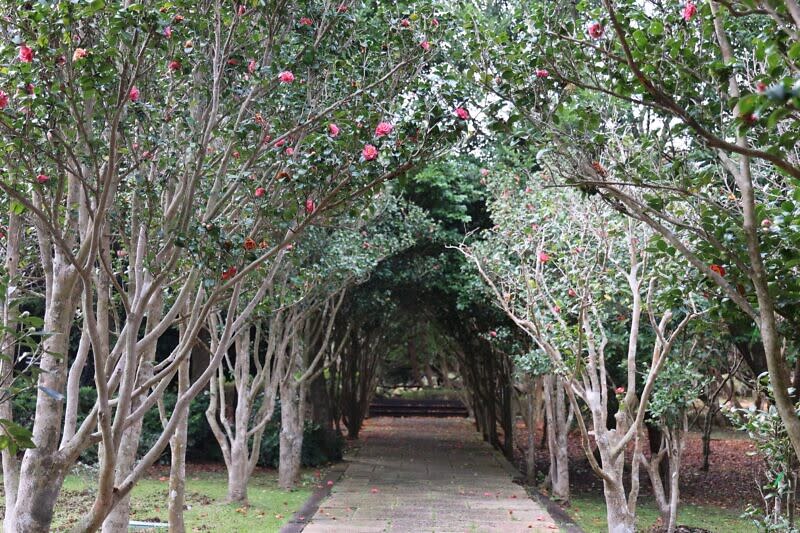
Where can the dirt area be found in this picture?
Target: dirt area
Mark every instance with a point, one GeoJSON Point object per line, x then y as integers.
{"type": "Point", "coordinates": [732, 480]}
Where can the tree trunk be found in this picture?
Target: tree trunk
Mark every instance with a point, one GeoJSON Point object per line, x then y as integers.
{"type": "Point", "coordinates": [291, 438]}
{"type": "Point", "coordinates": [118, 518]}
{"type": "Point", "coordinates": [238, 472]}
{"type": "Point", "coordinates": [10, 313]}
{"type": "Point", "coordinates": [177, 445]}
{"type": "Point", "coordinates": [557, 433]}
{"type": "Point", "coordinates": [618, 518]}
{"type": "Point", "coordinates": [42, 471]}
{"type": "Point", "coordinates": [321, 414]}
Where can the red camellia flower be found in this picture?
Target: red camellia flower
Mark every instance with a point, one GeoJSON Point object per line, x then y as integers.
{"type": "Point", "coordinates": [241, 10]}
{"type": "Point", "coordinates": [29, 88]}
{"type": "Point", "coordinates": [425, 45]}
{"type": "Point", "coordinates": [260, 191]}
{"type": "Point", "coordinates": [42, 178]}
{"type": "Point", "coordinates": [719, 269]}
{"type": "Point", "coordinates": [305, 21]}
{"type": "Point", "coordinates": [174, 65]}
{"type": "Point", "coordinates": [435, 22]}
{"type": "Point", "coordinates": [689, 11]}
{"type": "Point", "coordinates": [462, 113]}
{"type": "Point", "coordinates": [178, 18]}
{"type": "Point", "coordinates": [761, 87]}
{"type": "Point", "coordinates": [333, 129]}
{"type": "Point", "coordinates": [133, 96]}
{"type": "Point", "coordinates": [310, 206]}
{"type": "Point", "coordinates": [369, 152]}
{"type": "Point", "coordinates": [286, 77]}
{"type": "Point", "coordinates": [543, 257]}
{"type": "Point", "coordinates": [542, 73]}
{"type": "Point", "coordinates": [342, 8]}
{"type": "Point", "coordinates": [3, 100]}
{"type": "Point", "coordinates": [229, 273]}
{"type": "Point", "coordinates": [25, 54]}
{"type": "Point", "coordinates": [572, 293]}
{"type": "Point", "coordinates": [595, 30]}
{"type": "Point", "coordinates": [249, 244]}
{"type": "Point", "coordinates": [383, 128]}
{"type": "Point", "coordinates": [405, 23]}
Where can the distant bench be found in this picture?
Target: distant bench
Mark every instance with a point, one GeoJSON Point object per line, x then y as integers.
{"type": "Point", "coordinates": [430, 408]}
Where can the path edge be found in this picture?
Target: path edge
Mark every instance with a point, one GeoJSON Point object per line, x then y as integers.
{"type": "Point", "coordinates": [564, 521]}
{"type": "Point", "coordinates": [303, 516]}
{"type": "Point", "coordinates": [306, 513]}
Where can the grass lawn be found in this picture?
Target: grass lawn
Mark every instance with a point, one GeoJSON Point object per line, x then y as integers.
{"type": "Point", "coordinates": [269, 507]}
{"type": "Point", "coordinates": [589, 512]}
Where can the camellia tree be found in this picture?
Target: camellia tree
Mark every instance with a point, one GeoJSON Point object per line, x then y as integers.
{"type": "Point", "coordinates": [680, 114]}
{"type": "Point", "coordinates": [148, 144]}
{"type": "Point", "coordinates": [292, 340]}
{"type": "Point", "coordinates": [576, 277]}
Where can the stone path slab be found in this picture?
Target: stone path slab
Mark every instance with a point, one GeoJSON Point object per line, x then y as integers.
{"type": "Point", "coordinates": [415, 475]}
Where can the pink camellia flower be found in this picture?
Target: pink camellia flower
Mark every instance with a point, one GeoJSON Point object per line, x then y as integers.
{"type": "Point", "coordinates": [79, 53]}
{"type": "Point", "coordinates": [542, 73]}
{"type": "Point", "coordinates": [620, 390]}
{"type": "Point", "coordinates": [383, 128]}
{"type": "Point", "coordinates": [133, 96]}
{"type": "Point", "coordinates": [305, 21]}
{"type": "Point", "coordinates": [342, 8]}
{"type": "Point", "coordinates": [122, 253]}
{"type": "Point", "coordinates": [330, 483]}
{"type": "Point", "coordinates": [484, 172]}
{"type": "Point", "coordinates": [25, 54]}
{"type": "Point", "coordinates": [425, 45]}
{"type": "Point", "coordinates": [595, 30]}
{"type": "Point", "coordinates": [369, 152]}
{"type": "Point", "coordinates": [435, 22]}
{"type": "Point", "coordinates": [405, 23]}
{"type": "Point", "coordinates": [260, 191]}
{"type": "Point", "coordinates": [42, 178]}
{"type": "Point", "coordinates": [689, 11]}
{"type": "Point", "coordinates": [3, 100]}
{"type": "Point", "coordinates": [310, 206]}
{"type": "Point", "coordinates": [493, 333]}
{"type": "Point", "coordinates": [280, 143]}
{"type": "Point", "coordinates": [290, 151]}
{"type": "Point", "coordinates": [168, 32]}
{"type": "Point", "coordinates": [242, 10]}
{"type": "Point", "coordinates": [543, 257]}
{"type": "Point", "coordinates": [174, 65]}
{"type": "Point", "coordinates": [572, 293]}
{"type": "Point", "coordinates": [333, 129]}
{"type": "Point", "coordinates": [286, 77]}
{"type": "Point", "coordinates": [251, 66]}
{"type": "Point", "coordinates": [462, 113]}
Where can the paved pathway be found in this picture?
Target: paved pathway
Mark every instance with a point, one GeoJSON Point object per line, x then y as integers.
{"type": "Point", "coordinates": [414, 475]}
